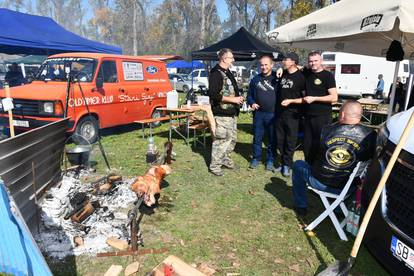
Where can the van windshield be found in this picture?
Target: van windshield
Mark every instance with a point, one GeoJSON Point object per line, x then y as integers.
{"type": "Point", "coordinates": [56, 69]}
{"type": "Point", "coordinates": [3, 68]}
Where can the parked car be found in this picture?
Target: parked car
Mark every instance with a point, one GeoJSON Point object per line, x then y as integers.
{"type": "Point", "coordinates": [117, 89]}
{"type": "Point", "coordinates": [184, 83]}
{"type": "Point", "coordinates": [200, 75]}
{"type": "Point", "coordinates": [390, 233]}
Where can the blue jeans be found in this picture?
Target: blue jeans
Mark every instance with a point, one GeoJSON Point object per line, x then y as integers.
{"type": "Point", "coordinates": [264, 122]}
{"type": "Point", "coordinates": [300, 177]}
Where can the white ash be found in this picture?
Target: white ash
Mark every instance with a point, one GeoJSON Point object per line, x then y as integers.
{"type": "Point", "coordinates": [56, 236]}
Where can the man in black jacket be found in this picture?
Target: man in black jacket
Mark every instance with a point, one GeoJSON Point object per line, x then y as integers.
{"type": "Point", "coordinates": [225, 103]}
{"type": "Point", "coordinates": [342, 146]}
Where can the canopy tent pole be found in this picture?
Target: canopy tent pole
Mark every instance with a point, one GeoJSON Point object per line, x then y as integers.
{"type": "Point", "coordinates": [10, 112]}
{"type": "Point", "coordinates": [408, 93]}
{"type": "Point", "coordinates": [394, 82]}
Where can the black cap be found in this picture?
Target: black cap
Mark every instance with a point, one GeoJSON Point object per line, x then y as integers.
{"type": "Point", "coordinates": [293, 56]}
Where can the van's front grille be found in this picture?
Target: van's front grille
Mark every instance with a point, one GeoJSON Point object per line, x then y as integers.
{"type": "Point", "coordinates": [25, 107]}
{"type": "Point", "coordinates": [400, 195]}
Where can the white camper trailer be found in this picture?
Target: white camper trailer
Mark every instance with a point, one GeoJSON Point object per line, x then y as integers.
{"type": "Point", "coordinates": [357, 75]}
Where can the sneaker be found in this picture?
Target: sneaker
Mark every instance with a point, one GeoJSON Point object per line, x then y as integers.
{"type": "Point", "coordinates": [269, 167]}
{"type": "Point", "coordinates": [279, 169]}
{"type": "Point", "coordinates": [217, 173]}
{"type": "Point", "coordinates": [301, 211]}
{"type": "Point", "coordinates": [286, 171]}
{"type": "Point", "coordinates": [254, 164]}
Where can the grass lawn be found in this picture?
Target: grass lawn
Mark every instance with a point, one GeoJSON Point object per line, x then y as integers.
{"type": "Point", "coordinates": [240, 223]}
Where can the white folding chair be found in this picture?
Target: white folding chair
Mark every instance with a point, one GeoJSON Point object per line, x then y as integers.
{"type": "Point", "coordinates": [338, 201]}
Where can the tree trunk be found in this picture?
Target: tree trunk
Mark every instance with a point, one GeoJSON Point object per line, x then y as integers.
{"type": "Point", "coordinates": [134, 30]}
{"type": "Point", "coordinates": [203, 23]}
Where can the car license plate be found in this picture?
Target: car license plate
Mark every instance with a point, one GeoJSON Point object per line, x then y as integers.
{"type": "Point", "coordinates": [21, 123]}
{"type": "Point", "coordinates": [402, 252]}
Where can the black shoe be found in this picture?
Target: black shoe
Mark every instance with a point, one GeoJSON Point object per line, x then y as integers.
{"type": "Point", "coordinates": [302, 212]}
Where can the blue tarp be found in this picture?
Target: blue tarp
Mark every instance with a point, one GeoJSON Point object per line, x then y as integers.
{"type": "Point", "coordinates": [184, 64]}
{"type": "Point", "coordinates": [19, 254]}
{"type": "Point", "coordinates": [22, 33]}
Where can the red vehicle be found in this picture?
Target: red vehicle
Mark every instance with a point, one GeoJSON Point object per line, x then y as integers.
{"type": "Point", "coordinates": [117, 89]}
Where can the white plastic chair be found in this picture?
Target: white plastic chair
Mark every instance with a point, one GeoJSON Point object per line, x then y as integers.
{"type": "Point", "coordinates": [338, 201]}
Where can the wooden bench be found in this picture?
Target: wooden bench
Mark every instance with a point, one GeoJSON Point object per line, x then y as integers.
{"type": "Point", "coordinates": [149, 122]}
{"type": "Point", "coordinates": [199, 126]}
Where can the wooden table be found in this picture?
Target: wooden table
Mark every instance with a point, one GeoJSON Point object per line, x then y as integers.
{"type": "Point", "coordinates": [172, 112]}
{"type": "Point", "coordinates": [381, 114]}
{"type": "Point", "coordinates": [369, 104]}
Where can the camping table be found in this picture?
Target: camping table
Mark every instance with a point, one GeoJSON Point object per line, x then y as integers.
{"type": "Point", "coordinates": [380, 114]}
{"type": "Point", "coordinates": [173, 126]}
{"type": "Point", "coordinates": [369, 106]}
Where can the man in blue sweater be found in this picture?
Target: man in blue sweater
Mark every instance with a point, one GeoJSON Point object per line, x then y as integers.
{"type": "Point", "coordinates": [262, 99]}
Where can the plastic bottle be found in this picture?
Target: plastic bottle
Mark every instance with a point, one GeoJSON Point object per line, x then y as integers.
{"type": "Point", "coordinates": [355, 223]}
{"type": "Point", "coordinates": [172, 99]}
{"type": "Point", "coordinates": [151, 155]}
{"type": "Point", "coordinates": [350, 219]}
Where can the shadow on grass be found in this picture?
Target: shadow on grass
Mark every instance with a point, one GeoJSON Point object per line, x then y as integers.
{"type": "Point", "coordinates": [66, 266]}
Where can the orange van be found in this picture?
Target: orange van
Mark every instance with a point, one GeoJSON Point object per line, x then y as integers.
{"type": "Point", "coordinates": [117, 89]}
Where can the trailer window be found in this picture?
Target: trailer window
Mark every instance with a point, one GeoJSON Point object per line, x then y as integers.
{"type": "Point", "coordinates": [350, 68]}
{"type": "Point", "coordinates": [405, 68]}
{"type": "Point", "coordinates": [329, 57]}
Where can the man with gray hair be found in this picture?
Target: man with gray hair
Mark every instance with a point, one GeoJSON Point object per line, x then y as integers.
{"type": "Point", "coordinates": [225, 103]}
{"type": "Point", "coordinates": [342, 145]}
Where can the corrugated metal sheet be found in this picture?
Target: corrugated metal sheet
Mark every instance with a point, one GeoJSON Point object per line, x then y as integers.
{"type": "Point", "coordinates": [43, 146]}
{"type": "Point", "coordinates": [19, 254]}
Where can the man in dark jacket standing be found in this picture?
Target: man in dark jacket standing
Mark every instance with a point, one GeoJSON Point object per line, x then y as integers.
{"type": "Point", "coordinates": [225, 104]}
{"type": "Point", "coordinates": [262, 99]}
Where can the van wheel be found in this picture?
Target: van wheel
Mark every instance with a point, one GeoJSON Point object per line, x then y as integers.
{"type": "Point", "coordinates": [87, 131]}
{"type": "Point", "coordinates": [185, 88]}
{"type": "Point", "coordinates": [368, 96]}
{"type": "Point", "coordinates": [156, 114]}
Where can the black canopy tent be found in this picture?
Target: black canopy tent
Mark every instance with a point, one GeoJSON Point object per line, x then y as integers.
{"type": "Point", "coordinates": [245, 47]}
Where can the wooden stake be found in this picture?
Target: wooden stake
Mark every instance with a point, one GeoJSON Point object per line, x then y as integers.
{"type": "Point", "coordinates": [7, 89]}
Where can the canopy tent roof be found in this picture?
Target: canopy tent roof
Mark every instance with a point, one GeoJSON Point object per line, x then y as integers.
{"type": "Point", "coordinates": [19, 254]}
{"type": "Point", "coordinates": [367, 30]}
{"type": "Point", "coordinates": [244, 45]}
{"type": "Point", "coordinates": [22, 33]}
{"type": "Point", "coordinates": [184, 64]}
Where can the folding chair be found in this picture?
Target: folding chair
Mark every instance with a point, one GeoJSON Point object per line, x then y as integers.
{"type": "Point", "coordinates": [338, 201]}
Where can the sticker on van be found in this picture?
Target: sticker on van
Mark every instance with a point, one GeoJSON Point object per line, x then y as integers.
{"type": "Point", "coordinates": [152, 70]}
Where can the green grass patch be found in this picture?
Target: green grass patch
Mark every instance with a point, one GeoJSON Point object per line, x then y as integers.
{"type": "Point", "coordinates": [240, 223]}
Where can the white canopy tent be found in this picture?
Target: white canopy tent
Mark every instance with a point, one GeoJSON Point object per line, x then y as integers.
{"type": "Point", "coordinates": [364, 27]}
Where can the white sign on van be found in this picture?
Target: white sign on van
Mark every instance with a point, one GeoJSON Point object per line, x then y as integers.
{"type": "Point", "coordinates": [133, 71]}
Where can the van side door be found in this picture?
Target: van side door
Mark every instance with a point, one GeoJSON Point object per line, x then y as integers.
{"type": "Point", "coordinates": [111, 112]}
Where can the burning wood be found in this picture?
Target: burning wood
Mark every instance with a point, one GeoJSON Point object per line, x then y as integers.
{"type": "Point", "coordinates": [148, 185]}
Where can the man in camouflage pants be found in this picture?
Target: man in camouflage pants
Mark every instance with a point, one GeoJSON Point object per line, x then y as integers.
{"type": "Point", "coordinates": [225, 103]}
